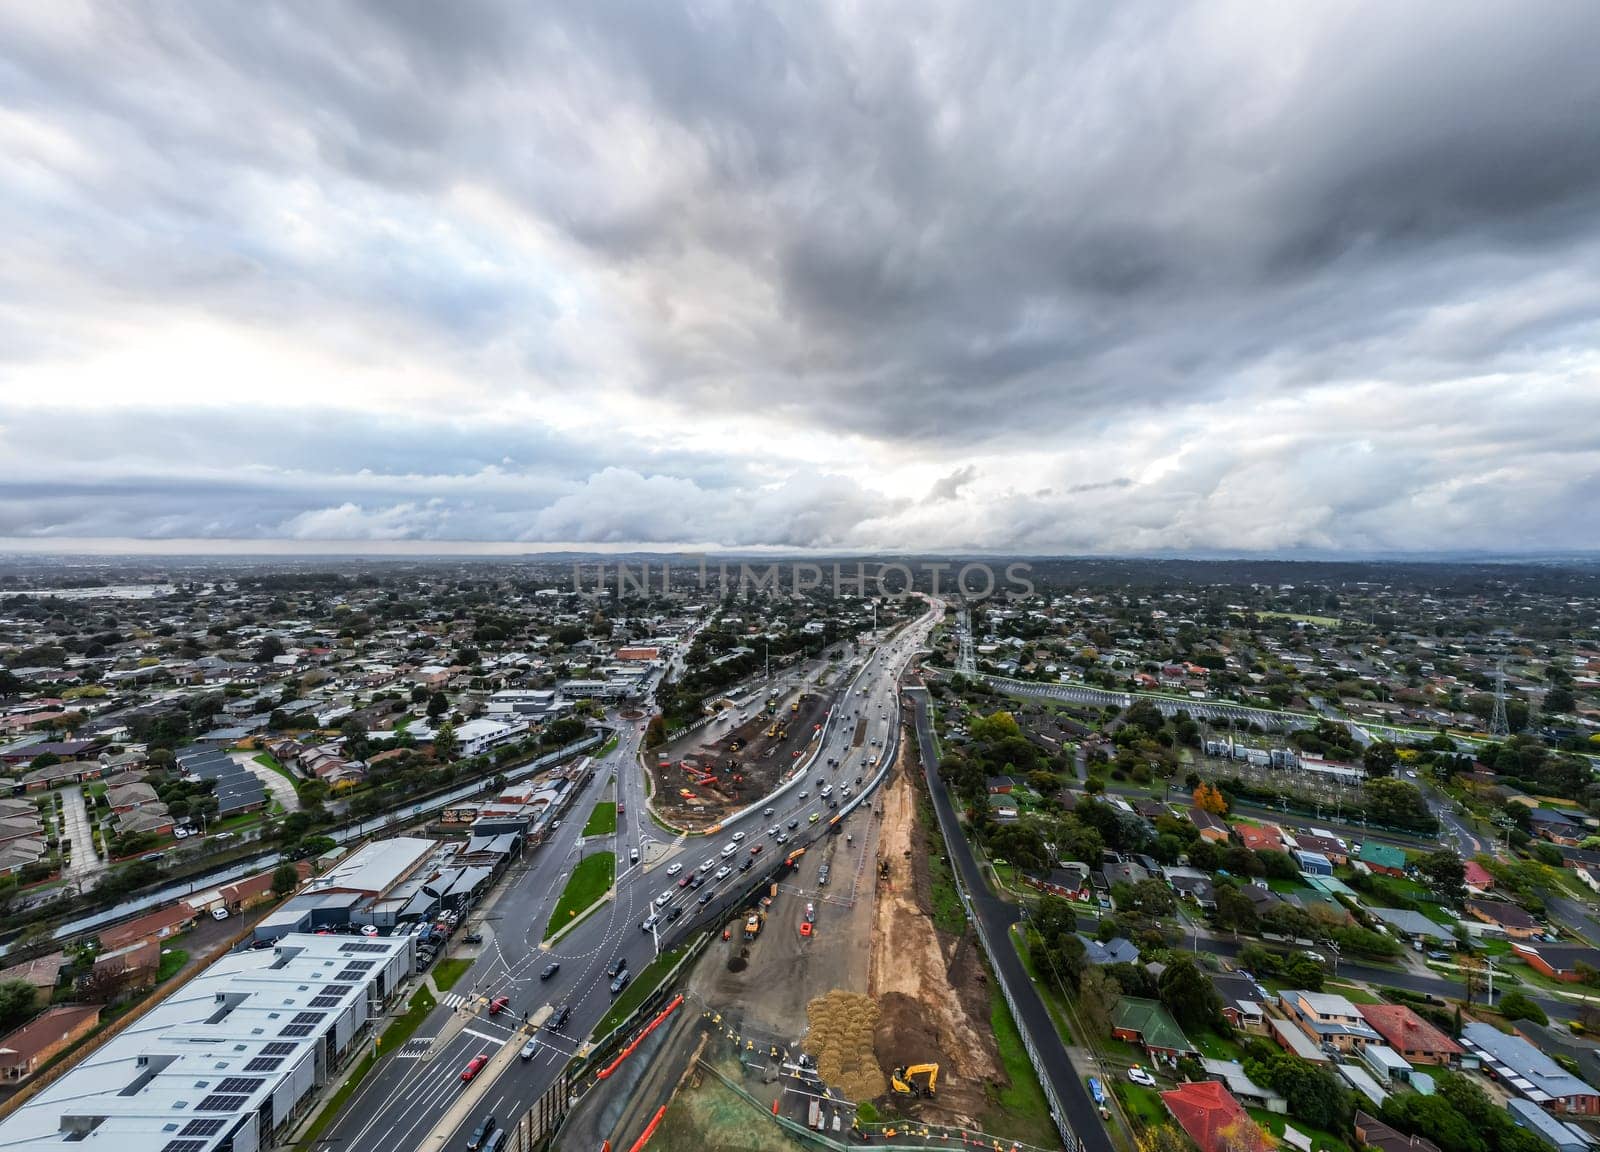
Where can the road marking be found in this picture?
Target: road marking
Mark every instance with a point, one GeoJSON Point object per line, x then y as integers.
{"type": "Point", "coordinates": [484, 1036]}
{"type": "Point", "coordinates": [452, 999]}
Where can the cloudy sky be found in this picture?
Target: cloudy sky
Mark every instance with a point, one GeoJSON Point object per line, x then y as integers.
{"type": "Point", "coordinates": [1054, 276]}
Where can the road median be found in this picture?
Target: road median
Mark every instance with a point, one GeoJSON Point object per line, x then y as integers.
{"type": "Point", "coordinates": [590, 885]}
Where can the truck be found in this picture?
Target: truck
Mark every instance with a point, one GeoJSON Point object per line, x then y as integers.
{"type": "Point", "coordinates": [752, 926]}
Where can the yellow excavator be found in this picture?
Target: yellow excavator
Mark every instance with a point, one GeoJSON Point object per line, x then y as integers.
{"type": "Point", "coordinates": [916, 1080]}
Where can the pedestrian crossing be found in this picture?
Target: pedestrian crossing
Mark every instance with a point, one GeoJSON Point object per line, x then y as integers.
{"type": "Point", "coordinates": [454, 1000]}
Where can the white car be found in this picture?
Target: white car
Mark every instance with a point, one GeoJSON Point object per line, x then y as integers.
{"type": "Point", "coordinates": [1139, 1076]}
{"type": "Point", "coordinates": [723, 873]}
{"type": "Point", "coordinates": [661, 900]}
{"type": "Point", "coordinates": [728, 851]}
{"type": "Point", "coordinates": [674, 869]}
{"type": "Point", "coordinates": [773, 831]}
{"type": "Point", "coordinates": [738, 836]}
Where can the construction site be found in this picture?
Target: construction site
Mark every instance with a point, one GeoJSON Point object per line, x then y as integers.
{"type": "Point", "coordinates": [744, 753]}
{"type": "Point", "coordinates": [837, 990]}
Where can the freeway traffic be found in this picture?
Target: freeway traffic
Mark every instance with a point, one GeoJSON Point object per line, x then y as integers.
{"type": "Point", "coordinates": [402, 1103]}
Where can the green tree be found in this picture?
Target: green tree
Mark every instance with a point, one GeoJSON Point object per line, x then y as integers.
{"type": "Point", "coordinates": [438, 705]}
{"type": "Point", "coordinates": [1098, 994]}
{"type": "Point", "coordinates": [1234, 910]}
{"type": "Point", "coordinates": [445, 748]}
{"type": "Point", "coordinates": [269, 650]}
{"type": "Point", "coordinates": [1188, 994]}
{"type": "Point", "coordinates": [285, 878]}
{"type": "Point", "coordinates": [18, 1001]}
{"type": "Point", "coordinates": [1516, 1005]}
{"type": "Point", "coordinates": [1446, 875]}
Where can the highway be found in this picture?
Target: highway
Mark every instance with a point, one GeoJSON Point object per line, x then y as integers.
{"type": "Point", "coordinates": [406, 1096]}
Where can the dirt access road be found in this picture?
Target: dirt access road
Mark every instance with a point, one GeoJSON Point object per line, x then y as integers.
{"type": "Point", "coordinates": [744, 751]}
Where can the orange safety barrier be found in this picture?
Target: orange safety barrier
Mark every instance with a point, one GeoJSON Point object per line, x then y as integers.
{"type": "Point", "coordinates": [639, 1039]}
{"type": "Point", "coordinates": [649, 1130]}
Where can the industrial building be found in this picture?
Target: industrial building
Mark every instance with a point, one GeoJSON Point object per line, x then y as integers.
{"type": "Point", "coordinates": [226, 1062]}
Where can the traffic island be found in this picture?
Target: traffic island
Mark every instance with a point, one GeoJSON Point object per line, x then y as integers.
{"type": "Point", "coordinates": [587, 888]}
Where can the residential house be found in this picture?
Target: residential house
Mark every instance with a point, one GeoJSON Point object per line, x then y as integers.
{"type": "Point", "coordinates": [1558, 826]}
{"type": "Point", "coordinates": [152, 819]}
{"type": "Point", "coordinates": [1000, 785]}
{"type": "Point", "coordinates": [1260, 837]}
{"type": "Point", "coordinates": [1528, 1071]}
{"type": "Point", "coordinates": [1477, 877]}
{"type": "Point", "coordinates": [1413, 925]}
{"type": "Point", "coordinates": [1412, 1037]}
{"type": "Point", "coordinates": [1071, 880]}
{"type": "Point", "coordinates": [1212, 828]}
{"type": "Point", "coordinates": [1313, 863]}
{"type": "Point", "coordinates": [1117, 950]}
{"type": "Point", "coordinates": [130, 796]}
{"type": "Point", "coordinates": [1243, 1003]}
{"type": "Point", "coordinates": [1244, 1089]}
{"type": "Point", "coordinates": [158, 925]}
{"type": "Point", "coordinates": [1147, 1024]}
{"type": "Point", "coordinates": [1324, 845]}
{"type": "Point", "coordinates": [1124, 873]}
{"type": "Point", "coordinates": [20, 827]}
{"type": "Point", "coordinates": [133, 965]}
{"type": "Point", "coordinates": [19, 854]}
{"type": "Point", "coordinates": [1328, 1018]}
{"type": "Point", "coordinates": [30, 1047]}
{"type": "Point", "coordinates": [43, 972]}
{"type": "Point", "coordinates": [1562, 1135]}
{"type": "Point", "coordinates": [1192, 884]}
{"type": "Point", "coordinates": [1213, 1119]}
{"type": "Point", "coordinates": [1375, 1134]}
{"type": "Point", "coordinates": [1385, 859]}
{"type": "Point", "coordinates": [1517, 923]}
{"type": "Point", "coordinates": [1559, 961]}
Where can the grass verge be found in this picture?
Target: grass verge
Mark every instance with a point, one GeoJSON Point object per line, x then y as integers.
{"type": "Point", "coordinates": [603, 820]}
{"type": "Point", "coordinates": [634, 994]}
{"type": "Point", "coordinates": [1143, 1105]}
{"type": "Point", "coordinates": [587, 884]}
{"type": "Point", "coordinates": [447, 972]}
{"type": "Point", "coordinates": [609, 746]}
{"type": "Point", "coordinates": [268, 760]}
{"type": "Point", "coordinates": [1019, 1111]}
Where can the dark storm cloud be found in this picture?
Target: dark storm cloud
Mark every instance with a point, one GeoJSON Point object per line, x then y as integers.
{"type": "Point", "coordinates": [1095, 233]}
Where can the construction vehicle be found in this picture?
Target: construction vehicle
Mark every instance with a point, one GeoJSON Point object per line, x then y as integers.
{"type": "Point", "coordinates": [917, 1080]}
{"type": "Point", "coordinates": [752, 926]}
{"type": "Point", "coordinates": [795, 707]}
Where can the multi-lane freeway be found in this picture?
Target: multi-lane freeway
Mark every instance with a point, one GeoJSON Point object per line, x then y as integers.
{"type": "Point", "coordinates": [404, 1100]}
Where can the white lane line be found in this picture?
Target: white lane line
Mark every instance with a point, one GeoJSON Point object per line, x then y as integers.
{"type": "Point", "coordinates": [496, 1040]}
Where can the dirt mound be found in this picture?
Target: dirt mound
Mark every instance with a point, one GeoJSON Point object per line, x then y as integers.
{"type": "Point", "coordinates": [842, 1037]}
{"type": "Point", "coordinates": [905, 1035]}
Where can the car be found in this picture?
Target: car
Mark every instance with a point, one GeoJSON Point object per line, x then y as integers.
{"type": "Point", "coordinates": [793, 824]}
{"type": "Point", "coordinates": [709, 864]}
{"type": "Point", "coordinates": [664, 899]}
{"type": "Point", "coordinates": [474, 1066]}
{"type": "Point", "coordinates": [152, 857]}
{"type": "Point", "coordinates": [219, 913]}
{"type": "Point", "coordinates": [813, 818]}
{"type": "Point", "coordinates": [617, 966]}
{"type": "Point", "coordinates": [181, 833]}
{"type": "Point", "coordinates": [649, 922]}
{"type": "Point", "coordinates": [723, 873]}
{"type": "Point", "coordinates": [803, 795]}
{"type": "Point", "coordinates": [1317, 956]}
{"type": "Point", "coordinates": [738, 836]}
{"type": "Point", "coordinates": [673, 914]}
{"type": "Point", "coordinates": [480, 1134]}
{"type": "Point", "coordinates": [773, 831]}
{"type": "Point", "coordinates": [529, 1049]}
{"type": "Point", "coordinates": [782, 838]}
{"type": "Point", "coordinates": [1438, 954]}
{"type": "Point", "coordinates": [767, 812]}
{"type": "Point", "coordinates": [822, 874]}
{"type": "Point", "coordinates": [550, 970]}
{"type": "Point", "coordinates": [683, 882]}
{"type": "Point", "coordinates": [827, 790]}
{"type": "Point", "coordinates": [472, 938]}
{"type": "Point", "coordinates": [621, 808]}
{"type": "Point", "coordinates": [1139, 1076]}
{"type": "Point", "coordinates": [499, 1004]}
{"type": "Point", "coordinates": [559, 1021]}
{"type": "Point", "coordinates": [832, 803]}
{"type": "Point", "coordinates": [755, 849]}
{"type": "Point", "coordinates": [747, 865]}
{"type": "Point", "coordinates": [705, 898]}
{"type": "Point", "coordinates": [621, 981]}
{"type": "Point", "coordinates": [674, 869]}
{"type": "Point", "coordinates": [858, 779]}
{"type": "Point", "coordinates": [633, 855]}
{"type": "Point", "coordinates": [728, 851]}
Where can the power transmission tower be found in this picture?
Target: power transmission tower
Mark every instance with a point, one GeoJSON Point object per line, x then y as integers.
{"type": "Point", "coordinates": [1499, 726]}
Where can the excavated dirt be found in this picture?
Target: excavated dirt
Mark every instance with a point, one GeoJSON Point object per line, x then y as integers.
{"type": "Point", "coordinates": [931, 987]}
{"type": "Point", "coordinates": [841, 1037]}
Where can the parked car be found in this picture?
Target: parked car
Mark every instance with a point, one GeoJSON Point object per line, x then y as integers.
{"type": "Point", "coordinates": [1139, 1076]}
{"type": "Point", "coordinates": [472, 938]}
{"type": "Point", "coordinates": [617, 966]}
{"type": "Point", "coordinates": [621, 981]}
{"type": "Point", "coordinates": [474, 1066]}
{"type": "Point", "coordinates": [219, 913]}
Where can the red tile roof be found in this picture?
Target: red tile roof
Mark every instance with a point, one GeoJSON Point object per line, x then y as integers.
{"type": "Point", "coordinates": [1477, 875]}
{"type": "Point", "coordinates": [1256, 836]}
{"type": "Point", "coordinates": [1405, 1031]}
{"type": "Point", "coordinates": [1207, 1110]}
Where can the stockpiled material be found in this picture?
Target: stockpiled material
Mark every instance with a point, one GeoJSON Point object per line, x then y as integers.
{"type": "Point", "coordinates": [841, 1039]}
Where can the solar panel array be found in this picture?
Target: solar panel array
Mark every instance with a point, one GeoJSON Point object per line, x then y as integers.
{"type": "Point", "coordinates": [264, 1064]}
{"type": "Point", "coordinates": [240, 1083]}
{"type": "Point", "coordinates": [184, 1146]}
{"type": "Point", "coordinates": [279, 1048]}
{"type": "Point", "coordinates": [221, 1102]}
{"type": "Point", "coordinates": [203, 1127]}
{"type": "Point", "coordinates": [363, 946]}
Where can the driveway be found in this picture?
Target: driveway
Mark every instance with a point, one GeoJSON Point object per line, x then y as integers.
{"type": "Point", "coordinates": [278, 786]}
{"type": "Point", "coordinates": [75, 827]}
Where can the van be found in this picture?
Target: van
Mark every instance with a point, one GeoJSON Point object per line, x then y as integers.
{"type": "Point", "coordinates": [497, 1142]}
